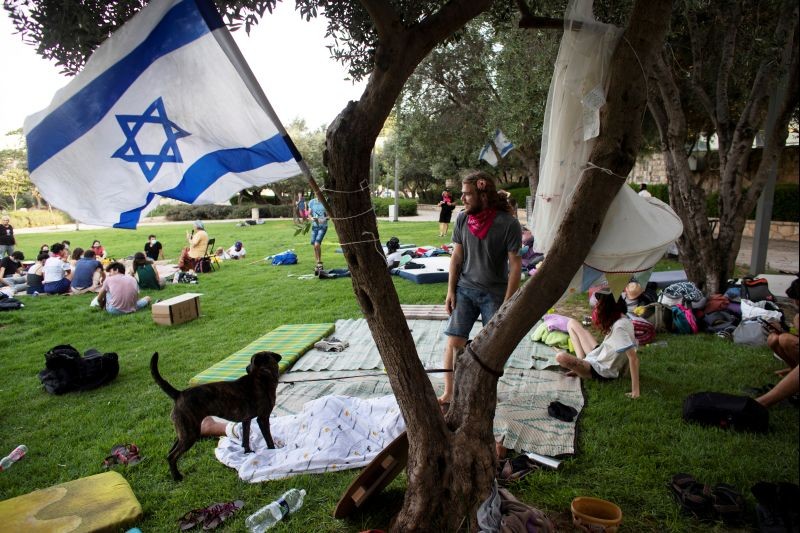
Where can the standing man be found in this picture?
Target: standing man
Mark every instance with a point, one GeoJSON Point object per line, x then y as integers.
{"type": "Point", "coordinates": [7, 239]}
{"type": "Point", "coordinates": [485, 266]}
{"type": "Point", "coordinates": [319, 226]}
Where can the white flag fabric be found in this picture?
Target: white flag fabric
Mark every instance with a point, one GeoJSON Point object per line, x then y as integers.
{"type": "Point", "coordinates": [158, 111]}
{"type": "Point", "coordinates": [503, 146]}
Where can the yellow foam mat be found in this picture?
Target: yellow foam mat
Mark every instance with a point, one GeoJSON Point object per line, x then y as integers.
{"type": "Point", "coordinates": [104, 502]}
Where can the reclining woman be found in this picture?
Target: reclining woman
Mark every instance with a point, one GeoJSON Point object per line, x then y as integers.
{"type": "Point", "coordinates": [607, 360]}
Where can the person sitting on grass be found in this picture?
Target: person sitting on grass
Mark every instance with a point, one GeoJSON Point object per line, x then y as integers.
{"type": "Point", "coordinates": [120, 293]}
{"type": "Point", "coordinates": [237, 251]}
{"type": "Point", "coordinates": [145, 273]}
{"type": "Point", "coordinates": [99, 251]}
{"type": "Point", "coordinates": [394, 253]}
{"type": "Point", "coordinates": [787, 345]}
{"type": "Point", "coordinates": [12, 273]}
{"type": "Point", "coordinates": [57, 271]}
{"type": "Point", "coordinates": [75, 256]}
{"type": "Point", "coordinates": [607, 360]}
{"type": "Point", "coordinates": [35, 279]}
{"type": "Point", "coordinates": [88, 275]}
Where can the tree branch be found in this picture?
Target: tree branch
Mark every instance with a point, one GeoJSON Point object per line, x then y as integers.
{"type": "Point", "coordinates": [386, 20]}
{"type": "Point", "coordinates": [734, 16]}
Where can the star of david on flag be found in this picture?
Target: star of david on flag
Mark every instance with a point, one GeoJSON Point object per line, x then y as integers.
{"type": "Point", "coordinates": [130, 151]}
{"type": "Point", "coordinates": [503, 146]}
{"type": "Point", "coordinates": [161, 110]}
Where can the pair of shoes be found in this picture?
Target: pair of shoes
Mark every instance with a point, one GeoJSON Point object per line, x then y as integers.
{"type": "Point", "coordinates": [210, 517]}
{"type": "Point", "coordinates": [776, 510]}
{"type": "Point", "coordinates": [122, 454]}
{"type": "Point", "coordinates": [510, 470]}
{"type": "Point", "coordinates": [722, 501]}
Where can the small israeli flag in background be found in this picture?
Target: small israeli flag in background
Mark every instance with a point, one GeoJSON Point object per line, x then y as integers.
{"type": "Point", "coordinates": [503, 146]}
{"type": "Point", "coordinates": [160, 110]}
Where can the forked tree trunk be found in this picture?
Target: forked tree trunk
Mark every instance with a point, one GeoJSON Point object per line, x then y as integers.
{"type": "Point", "coordinates": [709, 258]}
{"type": "Point", "coordinates": [451, 462]}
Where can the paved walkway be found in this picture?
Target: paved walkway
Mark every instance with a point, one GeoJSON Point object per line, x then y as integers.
{"type": "Point", "coordinates": [781, 255]}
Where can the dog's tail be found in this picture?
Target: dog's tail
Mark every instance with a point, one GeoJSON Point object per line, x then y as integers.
{"type": "Point", "coordinates": [171, 391]}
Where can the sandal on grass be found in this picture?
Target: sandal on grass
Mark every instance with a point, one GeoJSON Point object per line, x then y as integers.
{"type": "Point", "coordinates": [510, 470]}
{"type": "Point", "coordinates": [123, 454]}
{"type": "Point", "coordinates": [728, 504]}
{"type": "Point", "coordinates": [693, 496]}
{"type": "Point", "coordinates": [209, 517]}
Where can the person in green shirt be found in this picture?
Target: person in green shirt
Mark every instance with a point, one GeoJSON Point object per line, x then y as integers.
{"type": "Point", "coordinates": [145, 273]}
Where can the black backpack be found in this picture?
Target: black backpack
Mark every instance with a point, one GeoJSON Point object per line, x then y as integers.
{"type": "Point", "coordinates": [726, 411]}
{"type": "Point", "coordinates": [8, 303]}
{"type": "Point", "coordinates": [67, 371]}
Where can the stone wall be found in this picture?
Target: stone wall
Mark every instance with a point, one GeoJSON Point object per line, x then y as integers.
{"type": "Point", "coordinates": [651, 168]}
{"type": "Point", "coordinates": [778, 231]}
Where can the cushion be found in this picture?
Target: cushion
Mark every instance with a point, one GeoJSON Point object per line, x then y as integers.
{"type": "Point", "coordinates": [103, 502]}
{"type": "Point", "coordinates": [290, 341]}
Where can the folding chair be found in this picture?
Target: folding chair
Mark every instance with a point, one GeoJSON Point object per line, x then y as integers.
{"type": "Point", "coordinates": [210, 255]}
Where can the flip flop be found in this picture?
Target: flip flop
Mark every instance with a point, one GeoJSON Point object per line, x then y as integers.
{"type": "Point", "coordinates": [511, 470]}
{"type": "Point", "coordinates": [727, 503]}
{"type": "Point", "coordinates": [209, 517]}
{"type": "Point", "coordinates": [123, 454]}
{"type": "Point", "coordinates": [693, 496]}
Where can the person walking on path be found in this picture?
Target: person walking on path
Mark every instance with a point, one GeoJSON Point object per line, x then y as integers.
{"type": "Point", "coordinates": [485, 266]}
{"type": "Point", "coordinates": [300, 212]}
{"type": "Point", "coordinates": [447, 205]}
{"type": "Point", "coordinates": [7, 239]}
{"type": "Point", "coordinates": [319, 226]}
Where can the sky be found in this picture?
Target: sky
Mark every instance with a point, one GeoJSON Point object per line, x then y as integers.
{"type": "Point", "coordinates": [310, 85]}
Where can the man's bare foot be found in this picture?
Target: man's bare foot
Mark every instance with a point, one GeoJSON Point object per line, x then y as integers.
{"type": "Point", "coordinates": [209, 427]}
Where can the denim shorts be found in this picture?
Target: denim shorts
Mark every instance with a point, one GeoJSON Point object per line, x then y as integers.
{"type": "Point", "coordinates": [469, 304]}
{"type": "Point", "coordinates": [318, 233]}
{"type": "Point", "coordinates": [140, 304]}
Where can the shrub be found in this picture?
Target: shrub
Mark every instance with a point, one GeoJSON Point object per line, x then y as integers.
{"type": "Point", "coordinates": [222, 212]}
{"type": "Point", "coordinates": [519, 194]}
{"type": "Point", "coordinates": [408, 208]}
{"type": "Point", "coordinates": [785, 208]}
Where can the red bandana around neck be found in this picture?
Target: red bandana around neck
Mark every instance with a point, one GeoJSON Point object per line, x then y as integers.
{"type": "Point", "coordinates": [479, 224]}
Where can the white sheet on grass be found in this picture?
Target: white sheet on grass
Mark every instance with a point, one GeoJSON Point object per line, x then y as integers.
{"type": "Point", "coordinates": [331, 433]}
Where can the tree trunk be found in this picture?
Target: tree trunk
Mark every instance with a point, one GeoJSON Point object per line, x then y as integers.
{"type": "Point", "coordinates": [710, 259]}
{"type": "Point", "coordinates": [452, 460]}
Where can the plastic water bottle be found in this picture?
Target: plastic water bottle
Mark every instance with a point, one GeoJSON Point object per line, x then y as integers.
{"type": "Point", "coordinates": [16, 454]}
{"type": "Point", "coordinates": [271, 514]}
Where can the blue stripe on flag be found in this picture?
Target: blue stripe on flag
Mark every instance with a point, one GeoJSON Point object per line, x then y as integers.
{"type": "Point", "coordinates": [129, 219]}
{"type": "Point", "coordinates": [208, 169]}
{"type": "Point", "coordinates": [181, 25]}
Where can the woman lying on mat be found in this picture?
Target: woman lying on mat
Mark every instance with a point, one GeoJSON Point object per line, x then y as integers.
{"type": "Point", "coordinates": [607, 360]}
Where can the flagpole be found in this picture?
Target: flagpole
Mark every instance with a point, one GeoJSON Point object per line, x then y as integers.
{"type": "Point", "coordinates": [231, 49]}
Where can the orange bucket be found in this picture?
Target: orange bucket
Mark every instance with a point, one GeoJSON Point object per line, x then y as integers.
{"type": "Point", "coordinates": [595, 515]}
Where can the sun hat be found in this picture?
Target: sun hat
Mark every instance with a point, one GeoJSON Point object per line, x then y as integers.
{"type": "Point", "coordinates": [633, 290]}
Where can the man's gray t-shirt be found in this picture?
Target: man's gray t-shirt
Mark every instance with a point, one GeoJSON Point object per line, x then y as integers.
{"type": "Point", "coordinates": [485, 266]}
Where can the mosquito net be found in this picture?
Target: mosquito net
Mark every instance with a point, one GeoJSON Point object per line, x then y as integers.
{"type": "Point", "coordinates": [636, 231]}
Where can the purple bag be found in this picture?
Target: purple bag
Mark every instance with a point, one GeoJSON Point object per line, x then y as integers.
{"type": "Point", "coordinates": [556, 322]}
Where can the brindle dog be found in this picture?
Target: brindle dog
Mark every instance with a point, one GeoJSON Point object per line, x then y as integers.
{"type": "Point", "coordinates": [250, 396]}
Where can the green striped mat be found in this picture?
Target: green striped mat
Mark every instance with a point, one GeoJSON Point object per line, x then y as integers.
{"type": "Point", "coordinates": [290, 341]}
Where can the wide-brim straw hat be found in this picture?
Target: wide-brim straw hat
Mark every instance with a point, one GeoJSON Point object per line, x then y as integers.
{"type": "Point", "coordinates": [633, 290]}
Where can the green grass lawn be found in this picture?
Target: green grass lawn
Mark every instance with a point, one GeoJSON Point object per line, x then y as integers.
{"type": "Point", "coordinates": [627, 449]}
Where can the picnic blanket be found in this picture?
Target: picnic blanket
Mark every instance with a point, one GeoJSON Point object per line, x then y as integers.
{"type": "Point", "coordinates": [429, 338]}
{"type": "Point", "coordinates": [428, 312]}
{"type": "Point", "coordinates": [290, 341]}
{"type": "Point", "coordinates": [342, 423]}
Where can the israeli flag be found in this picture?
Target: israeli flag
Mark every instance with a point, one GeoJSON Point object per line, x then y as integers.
{"type": "Point", "coordinates": [503, 146]}
{"type": "Point", "coordinates": [160, 110]}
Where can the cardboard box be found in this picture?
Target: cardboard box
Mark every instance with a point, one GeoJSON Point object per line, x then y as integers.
{"type": "Point", "coordinates": [177, 310]}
